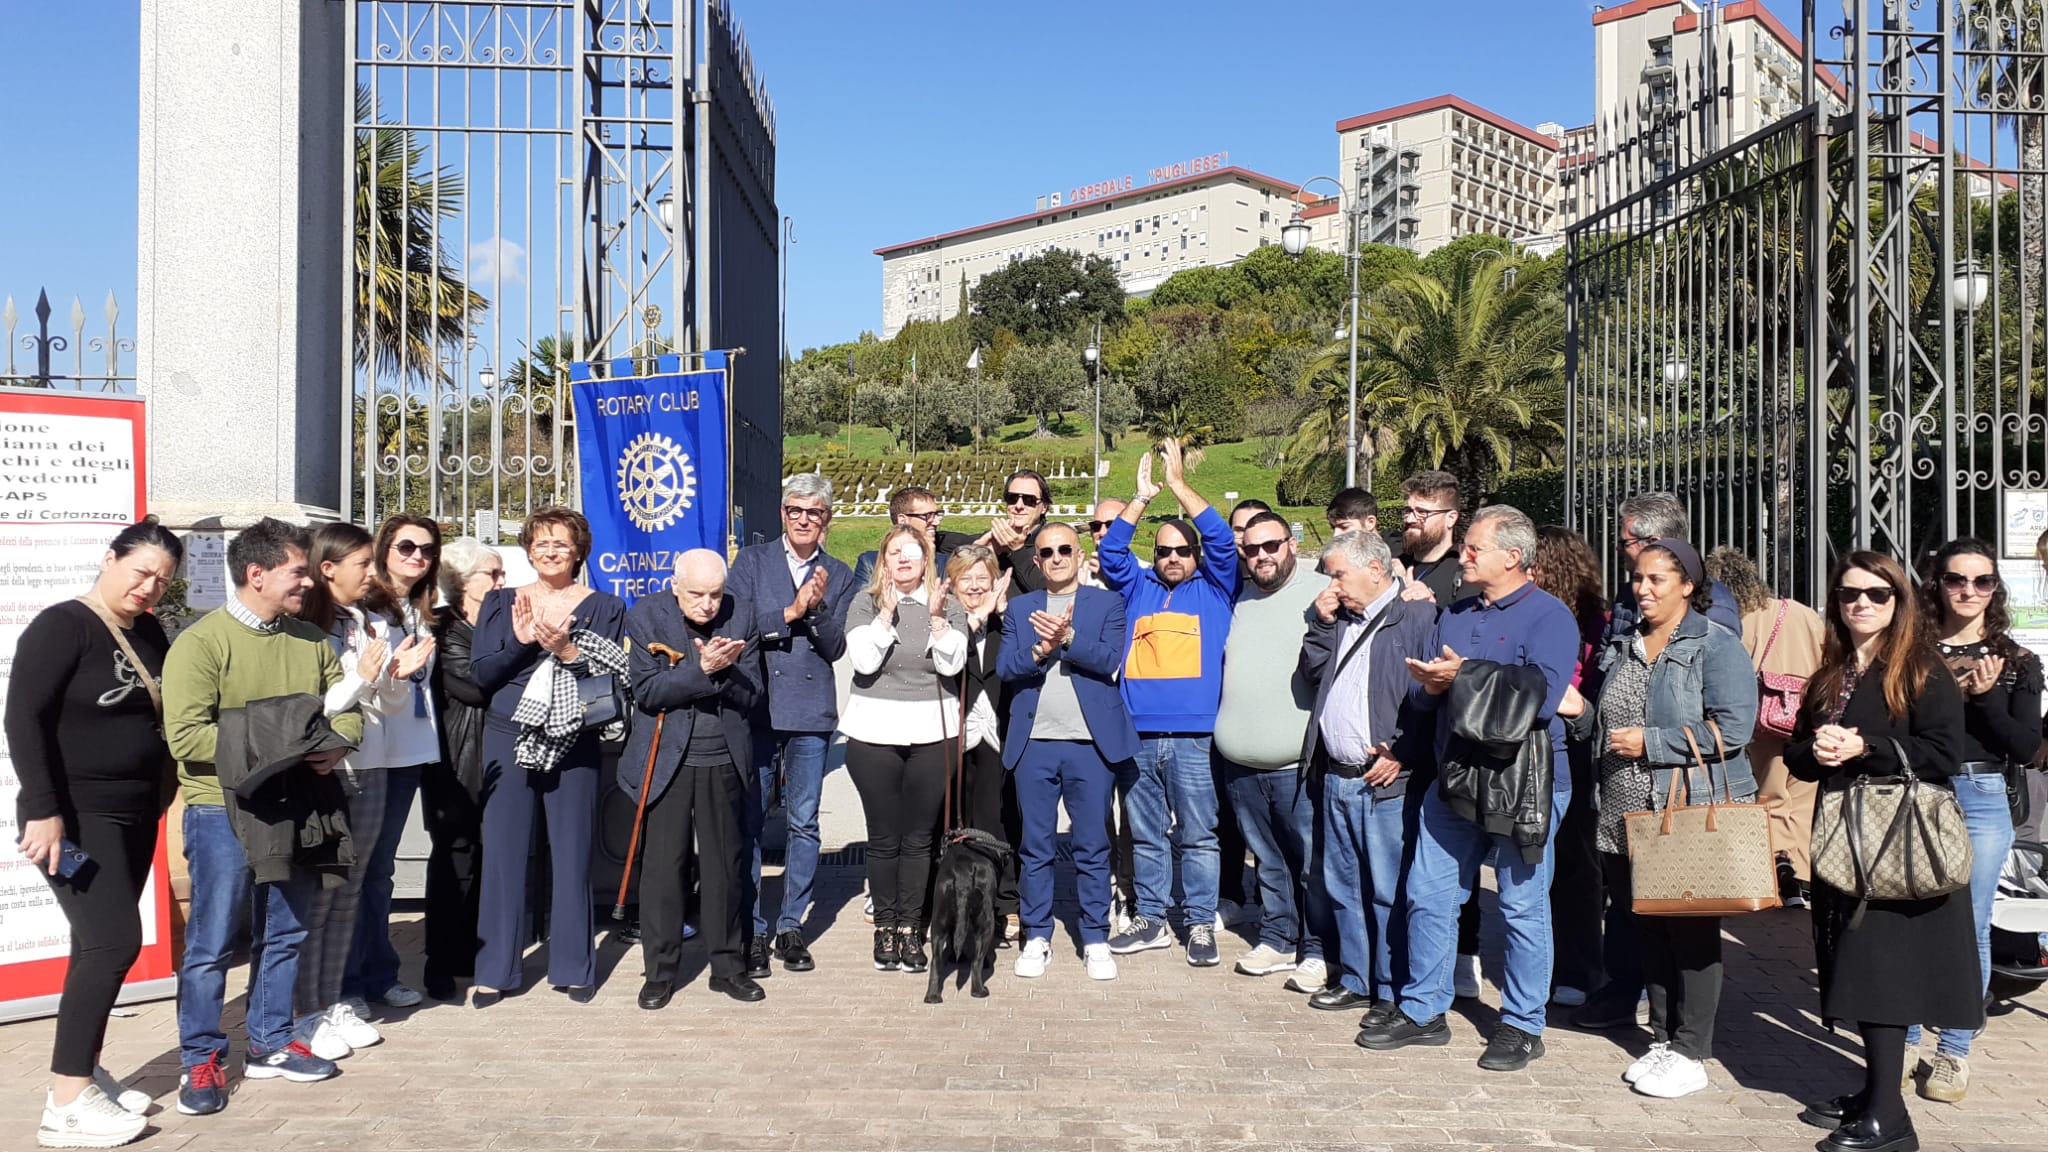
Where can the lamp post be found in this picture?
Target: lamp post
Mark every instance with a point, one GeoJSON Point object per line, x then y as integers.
{"type": "Point", "coordinates": [1093, 355]}
{"type": "Point", "coordinates": [1970, 288]}
{"type": "Point", "coordinates": [1507, 274]}
{"type": "Point", "coordinates": [1294, 241]}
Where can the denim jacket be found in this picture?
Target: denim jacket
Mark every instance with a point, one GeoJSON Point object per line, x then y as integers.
{"type": "Point", "coordinates": [1703, 674]}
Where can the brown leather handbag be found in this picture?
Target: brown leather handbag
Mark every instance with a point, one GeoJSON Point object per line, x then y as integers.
{"type": "Point", "coordinates": [1711, 859]}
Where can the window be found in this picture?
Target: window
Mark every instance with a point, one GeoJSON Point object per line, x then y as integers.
{"type": "Point", "coordinates": [1139, 227]}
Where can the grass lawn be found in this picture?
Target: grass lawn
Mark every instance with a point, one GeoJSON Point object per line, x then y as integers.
{"type": "Point", "coordinates": [1223, 469]}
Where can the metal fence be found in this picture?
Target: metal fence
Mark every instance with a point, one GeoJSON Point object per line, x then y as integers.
{"type": "Point", "coordinates": [62, 358]}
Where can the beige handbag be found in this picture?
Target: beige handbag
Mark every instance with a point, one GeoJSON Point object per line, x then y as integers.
{"type": "Point", "coordinates": [1711, 859]}
{"type": "Point", "coordinates": [1891, 838]}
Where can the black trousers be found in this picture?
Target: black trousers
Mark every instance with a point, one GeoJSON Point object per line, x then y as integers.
{"type": "Point", "coordinates": [903, 793]}
{"type": "Point", "coordinates": [1577, 891]}
{"type": "Point", "coordinates": [992, 808]}
{"type": "Point", "coordinates": [1230, 849]}
{"type": "Point", "coordinates": [1123, 875]}
{"type": "Point", "coordinates": [454, 816]}
{"type": "Point", "coordinates": [106, 928]}
{"type": "Point", "coordinates": [1681, 958]}
{"type": "Point", "coordinates": [709, 803]}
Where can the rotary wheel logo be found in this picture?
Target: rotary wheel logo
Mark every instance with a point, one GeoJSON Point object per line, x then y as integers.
{"type": "Point", "coordinates": [656, 482]}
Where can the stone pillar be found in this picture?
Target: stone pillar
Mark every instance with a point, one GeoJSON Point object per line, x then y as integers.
{"type": "Point", "coordinates": [240, 262]}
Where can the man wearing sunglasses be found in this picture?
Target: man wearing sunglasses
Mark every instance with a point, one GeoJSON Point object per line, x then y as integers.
{"type": "Point", "coordinates": [1099, 521]}
{"type": "Point", "coordinates": [1179, 611]}
{"type": "Point", "coordinates": [915, 507]}
{"type": "Point", "coordinates": [798, 595]}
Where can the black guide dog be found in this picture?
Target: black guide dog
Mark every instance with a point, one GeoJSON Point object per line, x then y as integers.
{"type": "Point", "coordinates": [964, 925]}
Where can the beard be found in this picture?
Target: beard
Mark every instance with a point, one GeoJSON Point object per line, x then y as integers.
{"type": "Point", "coordinates": [1282, 573]}
{"type": "Point", "coordinates": [1420, 540]}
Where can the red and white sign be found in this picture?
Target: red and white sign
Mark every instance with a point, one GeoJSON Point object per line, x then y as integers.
{"type": "Point", "coordinates": [71, 476]}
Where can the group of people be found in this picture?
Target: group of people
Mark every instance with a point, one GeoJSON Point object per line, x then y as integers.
{"type": "Point", "coordinates": [1343, 712]}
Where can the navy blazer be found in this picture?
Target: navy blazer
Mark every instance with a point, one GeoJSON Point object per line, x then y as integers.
{"type": "Point", "coordinates": [1401, 631]}
{"type": "Point", "coordinates": [661, 688]}
{"type": "Point", "coordinates": [1092, 661]}
{"type": "Point", "coordinates": [799, 693]}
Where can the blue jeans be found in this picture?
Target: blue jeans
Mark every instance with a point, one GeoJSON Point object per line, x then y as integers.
{"type": "Point", "coordinates": [1368, 846]}
{"type": "Point", "coordinates": [1169, 796]}
{"type": "Point", "coordinates": [1448, 853]}
{"type": "Point", "coordinates": [1988, 818]}
{"type": "Point", "coordinates": [372, 961]}
{"type": "Point", "coordinates": [803, 775]}
{"type": "Point", "coordinates": [225, 900]}
{"type": "Point", "coordinates": [1278, 816]}
{"type": "Point", "coordinates": [1049, 771]}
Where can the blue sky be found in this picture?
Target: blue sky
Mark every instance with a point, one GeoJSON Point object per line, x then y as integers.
{"type": "Point", "coordinates": [897, 120]}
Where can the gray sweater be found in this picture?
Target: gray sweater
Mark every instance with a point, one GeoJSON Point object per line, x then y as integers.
{"type": "Point", "coordinates": [1266, 700]}
{"type": "Point", "coordinates": [908, 672]}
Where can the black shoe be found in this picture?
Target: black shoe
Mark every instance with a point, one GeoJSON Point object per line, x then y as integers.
{"type": "Point", "coordinates": [1510, 1050]}
{"type": "Point", "coordinates": [442, 988]}
{"type": "Point", "coordinates": [885, 949]}
{"type": "Point", "coordinates": [1791, 889]}
{"type": "Point", "coordinates": [1832, 1114]}
{"type": "Point", "coordinates": [1336, 998]}
{"type": "Point", "coordinates": [655, 994]}
{"type": "Point", "coordinates": [1399, 1032]}
{"type": "Point", "coordinates": [741, 988]}
{"type": "Point", "coordinates": [1379, 1015]}
{"type": "Point", "coordinates": [1608, 1008]}
{"type": "Point", "coordinates": [1866, 1133]}
{"type": "Point", "coordinates": [910, 952]}
{"type": "Point", "coordinates": [757, 958]}
{"type": "Point", "coordinates": [789, 947]}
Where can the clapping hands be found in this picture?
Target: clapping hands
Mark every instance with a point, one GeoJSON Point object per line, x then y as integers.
{"type": "Point", "coordinates": [719, 653]}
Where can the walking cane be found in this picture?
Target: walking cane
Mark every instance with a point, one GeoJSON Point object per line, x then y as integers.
{"type": "Point", "coordinates": [646, 783]}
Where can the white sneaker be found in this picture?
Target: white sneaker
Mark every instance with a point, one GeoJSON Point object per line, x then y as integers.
{"type": "Point", "coordinates": [1645, 1063]}
{"type": "Point", "coordinates": [1101, 965]}
{"type": "Point", "coordinates": [1032, 961]}
{"type": "Point", "coordinates": [1673, 1077]}
{"type": "Point", "coordinates": [322, 1038]}
{"type": "Point", "coordinates": [355, 1031]}
{"type": "Point", "coordinates": [1565, 996]}
{"type": "Point", "coordinates": [92, 1120]}
{"type": "Point", "coordinates": [1465, 977]}
{"type": "Point", "coordinates": [130, 1099]}
{"type": "Point", "coordinates": [1311, 975]}
{"type": "Point", "coordinates": [401, 996]}
{"type": "Point", "coordinates": [1264, 961]}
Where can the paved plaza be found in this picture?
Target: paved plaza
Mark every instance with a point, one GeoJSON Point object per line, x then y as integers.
{"type": "Point", "coordinates": [1164, 1059]}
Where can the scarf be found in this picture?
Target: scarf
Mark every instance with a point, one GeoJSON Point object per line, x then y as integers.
{"type": "Point", "coordinates": [549, 716]}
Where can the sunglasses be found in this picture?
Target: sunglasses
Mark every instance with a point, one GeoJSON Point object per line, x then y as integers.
{"type": "Point", "coordinates": [792, 512]}
{"type": "Point", "coordinates": [1163, 551]}
{"type": "Point", "coordinates": [1051, 550]}
{"type": "Point", "coordinates": [1024, 498]}
{"type": "Point", "coordinates": [1098, 527]}
{"type": "Point", "coordinates": [1845, 595]}
{"type": "Point", "coordinates": [1955, 582]}
{"type": "Point", "coordinates": [411, 547]}
{"type": "Point", "coordinates": [1269, 547]}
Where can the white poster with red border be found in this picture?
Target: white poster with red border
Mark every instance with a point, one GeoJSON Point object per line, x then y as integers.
{"type": "Point", "coordinates": [71, 476]}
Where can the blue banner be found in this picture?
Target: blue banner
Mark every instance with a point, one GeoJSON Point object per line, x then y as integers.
{"type": "Point", "coordinates": [651, 453]}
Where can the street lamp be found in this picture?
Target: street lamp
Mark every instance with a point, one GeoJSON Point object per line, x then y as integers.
{"type": "Point", "coordinates": [1294, 241]}
{"type": "Point", "coordinates": [1971, 287]}
{"type": "Point", "coordinates": [1676, 371]}
{"type": "Point", "coordinates": [666, 208]}
{"type": "Point", "coordinates": [1507, 274]}
{"type": "Point", "coordinates": [487, 378]}
{"type": "Point", "coordinates": [1093, 355]}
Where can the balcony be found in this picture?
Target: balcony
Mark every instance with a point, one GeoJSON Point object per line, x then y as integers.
{"type": "Point", "coordinates": [1657, 71]}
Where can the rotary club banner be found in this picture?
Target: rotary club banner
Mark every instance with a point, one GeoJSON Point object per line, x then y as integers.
{"type": "Point", "coordinates": [652, 454]}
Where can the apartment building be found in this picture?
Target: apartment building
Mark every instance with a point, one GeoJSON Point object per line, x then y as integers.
{"type": "Point", "coordinates": [1647, 51]}
{"type": "Point", "coordinates": [1212, 216]}
{"type": "Point", "coordinates": [1433, 170]}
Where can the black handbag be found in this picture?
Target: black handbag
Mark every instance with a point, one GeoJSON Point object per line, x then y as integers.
{"type": "Point", "coordinates": [602, 699]}
{"type": "Point", "coordinates": [2017, 796]}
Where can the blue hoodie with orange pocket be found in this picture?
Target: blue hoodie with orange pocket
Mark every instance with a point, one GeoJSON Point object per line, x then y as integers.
{"type": "Point", "coordinates": [1173, 670]}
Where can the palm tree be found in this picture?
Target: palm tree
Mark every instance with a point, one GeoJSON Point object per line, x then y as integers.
{"type": "Point", "coordinates": [1468, 372]}
{"type": "Point", "coordinates": [411, 301]}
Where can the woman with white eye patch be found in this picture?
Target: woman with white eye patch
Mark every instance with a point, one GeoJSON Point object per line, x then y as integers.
{"type": "Point", "coordinates": [906, 641]}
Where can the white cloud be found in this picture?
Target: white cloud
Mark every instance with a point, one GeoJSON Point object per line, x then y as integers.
{"type": "Point", "coordinates": [496, 260]}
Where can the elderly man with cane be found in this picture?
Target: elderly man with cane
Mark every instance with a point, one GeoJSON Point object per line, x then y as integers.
{"type": "Point", "coordinates": [693, 674]}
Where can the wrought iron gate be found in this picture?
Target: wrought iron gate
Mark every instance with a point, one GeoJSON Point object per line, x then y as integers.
{"type": "Point", "coordinates": [1827, 335]}
{"type": "Point", "coordinates": [529, 185]}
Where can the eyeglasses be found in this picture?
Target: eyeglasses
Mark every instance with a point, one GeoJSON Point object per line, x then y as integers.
{"type": "Point", "coordinates": [1637, 541]}
{"type": "Point", "coordinates": [1024, 498]}
{"type": "Point", "coordinates": [792, 512]}
{"type": "Point", "coordinates": [1413, 513]}
{"type": "Point", "coordinates": [494, 574]}
{"type": "Point", "coordinates": [411, 547]}
{"type": "Point", "coordinates": [1984, 585]}
{"type": "Point", "coordinates": [1162, 551]}
{"type": "Point", "coordinates": [1098, 527]}
{"type": "Point", "coordinates": [1051, 550]}
{"type": "Point", "coordinates": [1473, 551]}
{"type": "Point", "coordinates": [1269, 547]}
{"type": "Point", "coordinates": [931, 517]}
{"type": "Point", "coordinates": [1845, 595]}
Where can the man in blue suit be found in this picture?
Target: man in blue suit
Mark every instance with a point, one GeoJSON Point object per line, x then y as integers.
{"type": "Point", "coordinates": [690, 667]}
{"type": "Point", "coordinates": [798, 596]}
{"type": "Point", "coordinates": [1068, 729]}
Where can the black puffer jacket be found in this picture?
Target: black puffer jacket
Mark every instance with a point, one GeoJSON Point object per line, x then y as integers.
{"type": "Point", "coordinates": [1497, 770]}
{"type": "Point", "coordinates": [461, 701]}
